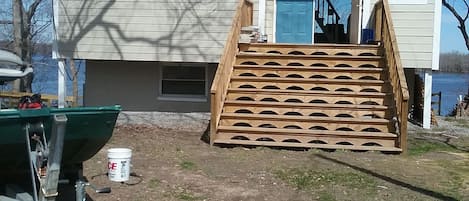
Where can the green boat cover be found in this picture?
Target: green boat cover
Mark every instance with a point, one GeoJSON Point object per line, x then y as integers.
{"type": "Point", "coordinates": [88, 130]}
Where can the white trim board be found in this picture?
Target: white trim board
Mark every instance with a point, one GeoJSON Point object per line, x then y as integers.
{"type": "Point", "coordinates": [274, 25]}
{"type": "Point", "coordinates": [436, 35]}
{"type": "Point", "coordinates": [427, 100]}
{"type": "Point", "coordinates": [408, 1]}
{"type": "Point", "coordinates": [261, 17]}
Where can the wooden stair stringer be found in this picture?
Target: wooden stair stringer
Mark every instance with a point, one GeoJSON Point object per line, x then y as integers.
{"type": "Point", "coordinates": [286, 95]}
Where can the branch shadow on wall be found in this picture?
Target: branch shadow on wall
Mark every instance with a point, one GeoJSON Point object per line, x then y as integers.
{"type": "Point", "coordinates": [82, 22]}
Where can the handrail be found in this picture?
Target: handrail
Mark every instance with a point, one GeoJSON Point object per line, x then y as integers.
{"type": "Point", "coordinates": [325, 17]}
{"type": "Point", "coordinates": [243, 17]}
{"type": "Point", "coordinates": [335, 11]}
{"type": "Point", "coordinates": [385, 33]}
{"type": "Point", "coordinates": [329, 6]}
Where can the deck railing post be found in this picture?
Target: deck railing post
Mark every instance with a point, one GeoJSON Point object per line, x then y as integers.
{"type": "Point", "coordinates": [394, 68]}
{"type": "Point", "coordinates": [243, 17]}
{"type": "Point", "coordinates": [439, 104]}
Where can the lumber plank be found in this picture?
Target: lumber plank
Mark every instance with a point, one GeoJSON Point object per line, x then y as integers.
{"type": "Point", "coordinates": [308, 145]}
{"type": "Point", "coordinates": [279, 131]}
{"type": "Point", "coordinates": [305, 98]}
{"type": "Point", "coordinates": [303, 119]}
{"type": "Point", "coordinates": [313, 93]}
{"type": "Point", "coordinates": [307, 105]}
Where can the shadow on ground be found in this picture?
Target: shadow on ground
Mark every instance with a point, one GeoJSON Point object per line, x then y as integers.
{"type": "Point", "coordinates": [403, 184]}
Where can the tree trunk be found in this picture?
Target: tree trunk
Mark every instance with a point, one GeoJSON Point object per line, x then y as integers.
{"type": "Point", "coordinates": [17, 35]}
{"type": "Point", "coordinates": [23, 41]}
{"type": "Point", "coordinates": [73, 71]}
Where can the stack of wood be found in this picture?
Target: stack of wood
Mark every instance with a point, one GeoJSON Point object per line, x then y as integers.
{"type": "Point", "coordinates": [419, 102]}
{"type": "Point", "coordinates": [434, 120]}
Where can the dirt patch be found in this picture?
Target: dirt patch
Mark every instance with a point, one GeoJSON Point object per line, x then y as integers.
{"type": "Point", "coordinates": [177, 165]}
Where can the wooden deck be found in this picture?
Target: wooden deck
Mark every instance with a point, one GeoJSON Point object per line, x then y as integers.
{"type": "Point", "coordinates": [330, 96]}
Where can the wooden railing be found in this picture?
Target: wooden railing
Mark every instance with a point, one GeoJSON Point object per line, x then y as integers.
{"type": "Point", "coordinates": [242, 18]}
{"type": "Point", "coordinates": [11, 99]}
{"type": "Point", "coordinates": [385, 33]}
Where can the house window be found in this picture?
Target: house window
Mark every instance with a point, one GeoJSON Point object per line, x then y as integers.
{"type": "Point", "coordinates": [184, 80]}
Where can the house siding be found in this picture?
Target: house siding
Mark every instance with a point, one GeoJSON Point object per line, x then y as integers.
{"type": "Point", "coordinates": [146, 30]}
{"type": "Point", "coordinates": [135, 85]}
{"type": "Point", "coordinates": [413, 25]}
{"type": "Point", "coordinates": [414, 28]}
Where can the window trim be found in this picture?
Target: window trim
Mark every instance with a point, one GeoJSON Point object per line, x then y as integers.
{"type": "Point", "coordinates": [182, 97]}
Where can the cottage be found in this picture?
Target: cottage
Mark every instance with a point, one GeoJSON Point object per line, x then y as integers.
{"type": "Point", "coordinates": [322, 79]}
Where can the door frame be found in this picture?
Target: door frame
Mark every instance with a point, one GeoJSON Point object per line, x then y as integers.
{"type": "Point", "coordinates": [364, 16]}
{"type": "Point", "coordinates": [274, 25]}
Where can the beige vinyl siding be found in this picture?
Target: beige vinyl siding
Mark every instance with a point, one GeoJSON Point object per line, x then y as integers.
{"type": "Point", "coordinates": [145, 30]}
{"type": "Point", "coordinates": [414, 27]}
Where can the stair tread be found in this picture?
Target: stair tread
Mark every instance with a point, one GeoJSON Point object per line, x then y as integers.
{"type": "Point", "coordinates": [308, 68]}
{"type": "Point", "coordinates": [306, 80]}
{"type": "Point", "coordinates": [305, 105]}
{"type": "Point", "coordinates": [322, 146]}
{"type": "Point", "coordinates": [286, 56]}
{"type": "Point", "coordinates": [318, 45]}
{"type": "Point", "coordinates": [303, 131]}
{"type": "Point", "coordinates": [304, 92]}
{"type": "Point", "coordinates": [304, 118]}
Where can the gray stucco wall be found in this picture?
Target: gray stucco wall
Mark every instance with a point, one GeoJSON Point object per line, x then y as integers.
{"type": "Point", "coordinates": [135, 86]}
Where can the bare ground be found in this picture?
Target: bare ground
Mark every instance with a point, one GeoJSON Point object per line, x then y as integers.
{"type": "Point", "coordinates": [178, 165]}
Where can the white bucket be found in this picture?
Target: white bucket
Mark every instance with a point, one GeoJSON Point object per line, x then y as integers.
{"type": "Point", "coordinates": [119, 164]}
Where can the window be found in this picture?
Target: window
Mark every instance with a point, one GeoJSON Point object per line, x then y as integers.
{"type": "Point", "coordinates": [183, 80]}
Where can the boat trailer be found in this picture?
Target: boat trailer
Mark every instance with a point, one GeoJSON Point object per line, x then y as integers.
{"type": "Point", "coordinates": [45, 160]}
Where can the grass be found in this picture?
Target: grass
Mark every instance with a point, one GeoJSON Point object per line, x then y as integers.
{"type": "Point", "coordinates": [420, 146]}
{"type": "Point", "coordinates": [324, 196]}
{"type": "Point", "coordinates": [304, 179]}
{"type": "Point", "coordinates": [187, 165]}
{"type": "Point", "coordinates": [153, 183]}
{"type": "Point", "coordinates": [185, 195]}
{"type": "Point", "coordinates": [457, 175]}
{"type": "Point", "coordinates": [461, 122]}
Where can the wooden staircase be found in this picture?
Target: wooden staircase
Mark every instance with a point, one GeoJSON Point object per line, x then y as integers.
{"type": "Point", "coordinates": [329, 96]}
{"type": "Point", "coordinates": [324, 96]}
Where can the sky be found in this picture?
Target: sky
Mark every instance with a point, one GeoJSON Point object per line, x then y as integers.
{"type": "Point", "coordinates": [451, 38]}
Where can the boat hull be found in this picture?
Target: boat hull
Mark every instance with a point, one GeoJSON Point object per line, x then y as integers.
{"type": "Point", "coordinates": [88, 129]}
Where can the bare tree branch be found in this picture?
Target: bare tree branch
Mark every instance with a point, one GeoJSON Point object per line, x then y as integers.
{"type": "Point", "coordinates": [6, 22]}
{"type": "Point", "coordinates": [32, 9]}
{"type": "Point", "coordinates": [461, 20]}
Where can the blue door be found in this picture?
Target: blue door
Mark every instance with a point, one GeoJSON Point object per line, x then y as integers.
{"type": "Point", "coordinates": [294, 21]}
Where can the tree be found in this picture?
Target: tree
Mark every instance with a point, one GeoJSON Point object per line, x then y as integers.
{"type": "Point", "coordinates": [461, 17]}
{"type": "Point", "coordinates": [27, 27]}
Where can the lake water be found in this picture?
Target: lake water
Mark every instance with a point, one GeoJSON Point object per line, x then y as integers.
{"type": "Point", "coordinates": [45, 77]}
{"type": "Point", "coordinates": [451, 86]}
